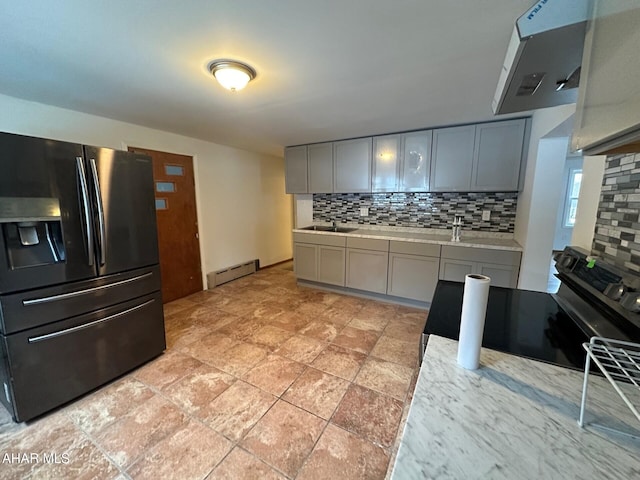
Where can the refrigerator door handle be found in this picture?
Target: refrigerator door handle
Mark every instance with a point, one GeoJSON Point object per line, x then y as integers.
{"type": "Point", "coordinates": [66, 331]}
{"type": "Point", "coordinates": [101, 226]}
{"type": "Point", "coordinates": [84, 193]}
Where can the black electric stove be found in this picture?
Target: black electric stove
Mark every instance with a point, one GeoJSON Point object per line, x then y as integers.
{"type": "Point", "coordinates": [543, 326]}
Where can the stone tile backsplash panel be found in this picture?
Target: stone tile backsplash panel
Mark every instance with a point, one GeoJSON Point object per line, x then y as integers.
{"type": "Point", "coordinates": [617, 235]}
{"type": "Point", "coordinates": [421, 210]}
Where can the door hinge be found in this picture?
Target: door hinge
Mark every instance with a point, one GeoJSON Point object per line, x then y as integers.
{"type": "Point", "coordinates": [197, 235]}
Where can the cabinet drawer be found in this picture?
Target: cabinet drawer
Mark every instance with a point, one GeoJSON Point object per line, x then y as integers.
{"type": "Point", "coordinates": [414, 248]}
{"type": "Point", "coordinates": [486, 255]}
{"type": "Point", "coordinates": [319, 239]}
{"type": "Point", "coordinates": [368, 244]}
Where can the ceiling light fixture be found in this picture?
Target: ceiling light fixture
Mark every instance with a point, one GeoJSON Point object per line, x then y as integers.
{"type": "Point", "coordinates": [232, 75]}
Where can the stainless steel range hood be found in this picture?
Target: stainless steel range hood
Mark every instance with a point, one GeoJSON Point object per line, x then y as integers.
{"type": "Point", "coordinates": [542, 65]}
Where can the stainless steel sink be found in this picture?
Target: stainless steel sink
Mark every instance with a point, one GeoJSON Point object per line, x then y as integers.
{"type": "Point", "coordinates": [322, 228]}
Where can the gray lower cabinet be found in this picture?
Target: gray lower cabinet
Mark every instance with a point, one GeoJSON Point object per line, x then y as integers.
{"type": "Point", "coordinates": [295, 163]}
{"type": "Point", "coordinates": [367, 264]}
{"type": "Point", "coordinates": [413, 270]}
{"type": "Point", "coordinates": [455, 270]}
{"type": "Point", "coordinates": [398, 268]}
{"type": "Point", "coordinates": [412, 276]}
{"type": "Point", "coordinates": [501, 275]}
{"type": "Point", "coordinates": [502, 266]}
{"type": "Point", "coordinates": [319, 258]}
{"type": "Point", "coordinates": [331, 265]}
{"type": "Point", "coordinates": [305, 261]}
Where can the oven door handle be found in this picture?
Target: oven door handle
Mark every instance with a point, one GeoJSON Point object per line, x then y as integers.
{"type": "Point", "coordinates": [66, 331]}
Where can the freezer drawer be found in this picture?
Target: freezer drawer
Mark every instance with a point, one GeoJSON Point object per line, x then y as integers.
{"type": "Point", "coordinates": [24, 310]}
{"type": "Point", "coordinates": [51, 365]}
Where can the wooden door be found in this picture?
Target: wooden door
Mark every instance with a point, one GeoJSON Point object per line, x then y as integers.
{"type": "Point", "coordinates": [178, 243]}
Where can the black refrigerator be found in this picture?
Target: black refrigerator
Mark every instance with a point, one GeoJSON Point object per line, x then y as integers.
{"type": "Point", "coordinates": [80, 300]}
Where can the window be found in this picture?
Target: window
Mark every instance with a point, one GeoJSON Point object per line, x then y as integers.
{"type": "Point", "coordinates": [174, 170]}
{"type": "Point", "coordinates": [165, 187]}
{"type": "Point", "coordinates": [571, 204]}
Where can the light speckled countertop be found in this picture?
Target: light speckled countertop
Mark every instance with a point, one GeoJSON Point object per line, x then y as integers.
{"type": "Point", "coordinates": [512, 418]}
{"type": "Point", "coordinates": [496, 241]}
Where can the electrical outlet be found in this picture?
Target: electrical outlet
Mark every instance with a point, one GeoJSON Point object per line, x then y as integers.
{"type": "Point", "coordinates": [364, 211]}
{"type": "Point", "coordinates": [486, 215]}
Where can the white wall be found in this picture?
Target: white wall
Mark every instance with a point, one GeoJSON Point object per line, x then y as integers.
{"type": "Point", "coordinates": [539, 200]}
{"type": "Point", "coordinates": [592, 175]}
{"type": "Point", "coordinates": [243, 212]}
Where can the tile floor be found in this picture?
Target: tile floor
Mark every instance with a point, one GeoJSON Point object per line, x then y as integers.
{"type": "Point", "coordinates": [261, 379]}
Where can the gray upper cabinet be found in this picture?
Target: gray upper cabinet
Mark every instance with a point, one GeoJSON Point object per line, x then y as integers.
{"type": "Point", "coordinates": [402, 163]}
{"type": "Point", "coordinates": [478, 158]}
{"type": "Point", "coordinates": [486, 157]}
{"type": "Point", "coordinates": [452, 159]}
{"type": "Point", "coordinates": [415, 166]}
{"type": "Point", "coordinates": [295, 161]}
{"type": "Point", "coordinates": [352, 166]}
{"type": "Point", "coordinates": [497, 156]}
{"type": "Point", "coordinates": [320, 158]}
{"type": "Point", "coordinates": [386, 163]}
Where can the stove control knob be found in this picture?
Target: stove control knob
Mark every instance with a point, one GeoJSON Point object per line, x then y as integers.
{"type": "Point", "coordinates": [567, 262]}
{"type": "Point", "coordinates": [631, 301]}
{"type": "Point", "coordinates": [615, 291]}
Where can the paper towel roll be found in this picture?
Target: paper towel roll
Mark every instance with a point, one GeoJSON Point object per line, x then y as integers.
{"type": "Point", "coordinates": [474, 310]}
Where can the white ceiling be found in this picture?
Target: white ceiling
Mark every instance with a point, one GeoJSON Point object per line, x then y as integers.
{"type": "Point", "coordinates": [327, 69]}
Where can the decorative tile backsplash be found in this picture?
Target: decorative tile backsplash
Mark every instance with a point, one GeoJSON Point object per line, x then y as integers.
{"type": "Point", "coordinates": [422, 210]}
{"type": "Point", "coordinates": [617, 235]}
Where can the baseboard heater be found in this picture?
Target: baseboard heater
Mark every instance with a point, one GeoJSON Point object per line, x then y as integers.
{"type": "Point", "coordinates": [231, 273]}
